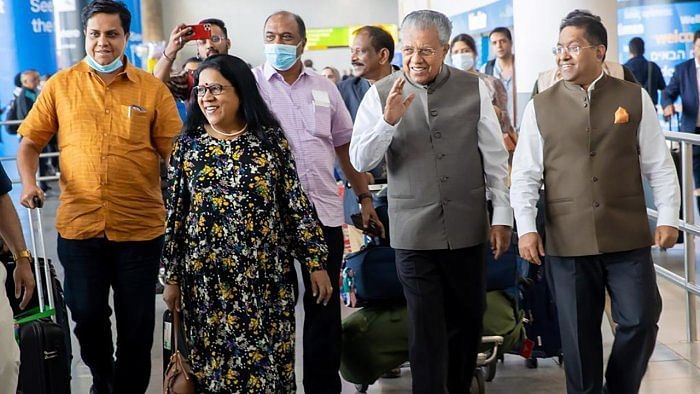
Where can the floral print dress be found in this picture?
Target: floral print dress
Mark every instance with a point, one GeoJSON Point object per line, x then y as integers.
{"type": "Point", "coordinates": [237, 219]}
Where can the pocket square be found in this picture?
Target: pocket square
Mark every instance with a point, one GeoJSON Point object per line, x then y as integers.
{"type": "Point", "coordinates": [621, 116]}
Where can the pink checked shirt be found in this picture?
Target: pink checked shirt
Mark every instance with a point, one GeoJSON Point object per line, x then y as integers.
{"type": "Point", "coordinates": [315, 121]}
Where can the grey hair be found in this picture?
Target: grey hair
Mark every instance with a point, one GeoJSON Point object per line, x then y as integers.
{"type": "Point", "coordinates": [428, 19]}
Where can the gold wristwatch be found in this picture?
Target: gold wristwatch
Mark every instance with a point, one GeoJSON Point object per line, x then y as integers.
{"type": "Point", "coordinates": [23, 254]}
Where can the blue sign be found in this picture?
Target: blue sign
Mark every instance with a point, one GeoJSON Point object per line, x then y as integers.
{"type": "Point", "coordinates": [667, 31]}
{"type": "Point", "coordinates": [28, 41]}
{"type": "Point", "coordinates": [136, 37]}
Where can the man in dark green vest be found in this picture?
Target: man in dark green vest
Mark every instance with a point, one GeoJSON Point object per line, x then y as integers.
{"type": "Point", "coordinates": [444, 152]}
{"type": "Point", "coordinates": [590, 138]}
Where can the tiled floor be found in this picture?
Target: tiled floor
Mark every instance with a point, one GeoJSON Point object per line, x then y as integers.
{"type": "Point", "coordinates": [674, 368]}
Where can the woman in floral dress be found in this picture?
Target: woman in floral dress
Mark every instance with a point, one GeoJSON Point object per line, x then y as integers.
{"type": "Point", "coordinates": [237, 219]}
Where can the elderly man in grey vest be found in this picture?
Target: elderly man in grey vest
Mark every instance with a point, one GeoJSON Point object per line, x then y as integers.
{"type": "Point", "coordinates": [444, 152]}
{"type": "Point", "coordinates": [590, 138]}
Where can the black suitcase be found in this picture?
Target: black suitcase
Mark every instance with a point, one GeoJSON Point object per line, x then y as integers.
{"type": "Point", "coordinates": [541, 320]}
{"type": "Point", "coordinates": [45, 365]}
{"type": "Point", "coordinates": [60, 305]}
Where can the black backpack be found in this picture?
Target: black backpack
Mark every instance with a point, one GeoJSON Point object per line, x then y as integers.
{"type": "Point", "coordinates": [12, 115]}
{"type": "Point", "coordinates": [490, 65]}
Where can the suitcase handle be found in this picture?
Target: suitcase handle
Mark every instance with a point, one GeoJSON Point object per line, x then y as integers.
{"type": "Point", "coordinates": [37, 234]}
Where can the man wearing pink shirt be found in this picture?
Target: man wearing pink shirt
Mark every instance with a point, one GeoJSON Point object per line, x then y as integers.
{"type": "Point", "coordinates": [318, 127]}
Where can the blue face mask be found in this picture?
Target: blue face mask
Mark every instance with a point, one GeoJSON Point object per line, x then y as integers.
{"type": "Point", "coordinates": [108, 69]}
{"type": "Point", "coordinates": [280, 56]}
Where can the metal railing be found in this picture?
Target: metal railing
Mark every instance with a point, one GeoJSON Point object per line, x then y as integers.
{"type": "Point", "coordinates": [41, 156]}
{"type": "Point", "coordinates": [687, 282]}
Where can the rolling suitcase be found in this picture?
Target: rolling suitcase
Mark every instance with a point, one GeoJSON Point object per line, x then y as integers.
{"type": "Point", "coordinates": [60, 305]}
{"type": "Point", "coordinates": [45, 365]}
{"type": "Point", "coordinates": [541, 321]}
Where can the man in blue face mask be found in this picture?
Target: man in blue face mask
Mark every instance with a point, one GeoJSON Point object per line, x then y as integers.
{"type": "Point", "coordinates": [114, 122]}
{"type": "Point", "coordinates": [319, 128]}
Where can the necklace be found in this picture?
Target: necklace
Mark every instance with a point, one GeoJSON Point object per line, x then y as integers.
{"type": "Point", "coordinates": [231, 134]}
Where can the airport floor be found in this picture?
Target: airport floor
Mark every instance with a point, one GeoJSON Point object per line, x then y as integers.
{"type": "Point", "coordinates": [674, 367]}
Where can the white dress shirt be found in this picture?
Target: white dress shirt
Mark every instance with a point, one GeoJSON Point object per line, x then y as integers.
{"type": "Point", "coordinates": [372, 136]}
{"type": "Point", "coordinates": [654, 159]}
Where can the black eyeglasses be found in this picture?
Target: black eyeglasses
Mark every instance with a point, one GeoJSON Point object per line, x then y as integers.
{"type": "Point", "coordinates": [215, 89]}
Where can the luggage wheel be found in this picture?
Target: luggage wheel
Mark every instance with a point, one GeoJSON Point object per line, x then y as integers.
{"type": "Point", "coordinates": [361, 388]}
{"type": "Point", "coordinates": [531, 363]}
{"type": "Point", "coordinates": [491, 370]}
{"type": "Point", "coordinates": [478, 385]}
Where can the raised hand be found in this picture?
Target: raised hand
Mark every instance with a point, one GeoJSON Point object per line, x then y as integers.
{"type": "Point", "coordinates": [396, 105]}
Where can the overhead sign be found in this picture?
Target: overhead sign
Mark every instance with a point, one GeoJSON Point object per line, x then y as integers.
{"type": "Point", "coordinates": [339, 37]}
{"type": "Point", "coordinates": [667, 31]}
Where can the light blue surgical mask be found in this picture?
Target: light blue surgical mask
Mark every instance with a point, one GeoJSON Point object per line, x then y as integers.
{"type": "Point", "coordinates": [463, 61]}
{"type": "Point", "coordinates": [108, 69]}
{"type": "Point", "coordinates": [280, 56]}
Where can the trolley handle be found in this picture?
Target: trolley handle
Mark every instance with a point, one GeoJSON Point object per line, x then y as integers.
{"type": "Point", "coordinates": [37, 236]}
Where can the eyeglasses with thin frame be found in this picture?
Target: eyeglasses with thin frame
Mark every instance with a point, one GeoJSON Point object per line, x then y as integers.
{"type": "Point", "coordinates": [215, 89]}
{"type": "Point", "coordinates": [214, 39]}
{"type": "Point", "coordinates": [573, 50]}
{"type": "Point", "coordinates": [422, 52]}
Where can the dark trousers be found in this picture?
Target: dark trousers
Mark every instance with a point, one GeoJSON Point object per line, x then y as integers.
{"type": "Point", "coordinates": [322, 328]}
{"type": "Point", "coordinates": [91, 267]}
{"type": "Point", "coordinates": [579, 285]}
{"type": "Point", "coordinates": [446, 297]}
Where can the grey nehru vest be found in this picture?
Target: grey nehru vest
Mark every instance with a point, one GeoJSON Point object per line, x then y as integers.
{"type": "Point", "coordinates": [434, 169]}
{"type": "Point", "coordinates": [593, 183]}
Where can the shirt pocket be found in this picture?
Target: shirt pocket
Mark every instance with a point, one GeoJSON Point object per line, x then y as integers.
{"type": "Point", "coordinates": [322, 121]}
{"type": "Point", "coordinates": [135, 124]}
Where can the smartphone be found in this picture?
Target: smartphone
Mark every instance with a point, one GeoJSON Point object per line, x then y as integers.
{"type": "Point", "coordinates": [371, 228]}
{"type": "Point", "coordinates": [199, 32]}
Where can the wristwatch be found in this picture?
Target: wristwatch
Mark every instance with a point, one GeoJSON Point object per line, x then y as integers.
{"type": "Point", "coordinates": [362, 196]}
{"type": "Point", "coordinates": [23, 254]}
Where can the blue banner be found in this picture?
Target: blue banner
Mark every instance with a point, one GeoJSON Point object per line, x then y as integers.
{"type": "Point", "coordinates": [667, 30]}
{"type": "Point", "coordinates": [28, 41]}
{"type": "Point", "coordinates": [136, 37]}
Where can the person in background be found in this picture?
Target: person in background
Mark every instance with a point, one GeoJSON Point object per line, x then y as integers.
{"type": "Point", "coordinates": [371, 53]}
{"type": "Point", "coordinates": [503, 65]}
{"type": "Point", "coordinates": [180, 84]}
{"type": "Point", "coordinates": [308, 63]}
{"type": "Point", "coordinates": [684, 84]}
{"type": "Point", "coordinates": [114, 122]}
{"type": "Point", "coordinates": [11, 234]}
{"type": "Point", "coordinates": [189, 68]}
{"type": "Point", "coordinates": [587, 208]}
{"type": "Point", "coordinates": [25, 98]}
{"type": "Point", "coordinates": [463, 55]}
{"type": "Point", "coordinates": [444, 151]}
{"type": "Point", "coordinates": [332, 74]}
{"type": "Point", "coordinates": [44, 78]}
{"type": "Point", "coordinates": [20, 109]}
{"type": "Point", "coordinates": [319, 128]}
{"type": "Point", "coordinates": [237, 213]}
{"type": "Point", "coordinates": [647, 73]}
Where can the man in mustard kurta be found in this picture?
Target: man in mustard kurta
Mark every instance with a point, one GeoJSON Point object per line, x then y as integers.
{"type": "Point", "coordinates": [114, 122]}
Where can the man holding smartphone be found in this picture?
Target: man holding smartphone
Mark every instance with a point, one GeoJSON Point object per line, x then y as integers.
{"type": "Point", "coordinates": [212, 39]}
